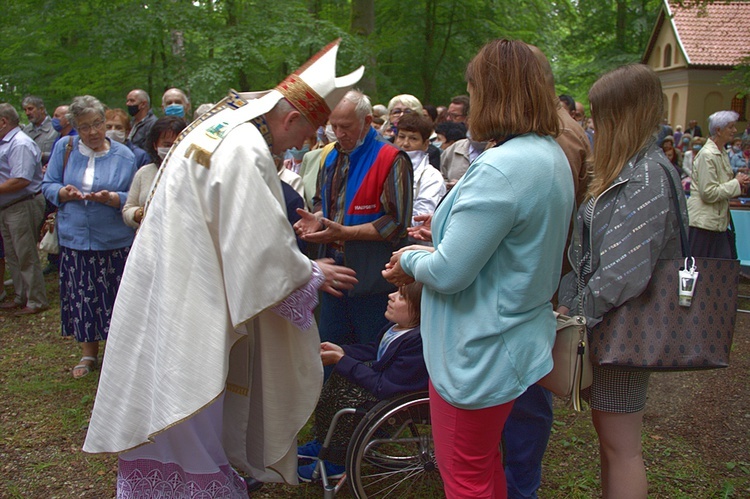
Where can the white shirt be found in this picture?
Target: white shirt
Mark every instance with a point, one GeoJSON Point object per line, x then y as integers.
{"type": "Point", "coordinates": [429, 186]}
{"type": "Point", "coordinates": [87, 183]}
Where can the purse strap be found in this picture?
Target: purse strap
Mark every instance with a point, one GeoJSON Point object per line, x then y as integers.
{"type": "Point", "coordinates": [68, 149]}
{"type": "Point", "coordinates": [678, 212]}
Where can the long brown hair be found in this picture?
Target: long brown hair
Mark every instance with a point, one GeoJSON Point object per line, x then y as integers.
{"type": "Point", "coordinates": [627, 105]}
{"type": "Point", "coordinates": [509, 93]}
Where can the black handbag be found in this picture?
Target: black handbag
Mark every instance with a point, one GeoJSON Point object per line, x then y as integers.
{"type": "Point", "coordinates": [652, 332]}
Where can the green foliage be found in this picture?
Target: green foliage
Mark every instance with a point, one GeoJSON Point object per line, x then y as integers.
{"type": "Point", "coordinates": [596, 37]}
{"type": "Point", "coordinates": [61, 48]}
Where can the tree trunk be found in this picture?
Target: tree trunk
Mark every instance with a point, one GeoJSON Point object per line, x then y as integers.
{"type": "Point", "coordinates": [362, 26]}
{"type": "Point", "coordinates": [427, 71]}
{"type": "Point", "coordinates": [233, 15]}
{"type": "Point", "coordinates": [622, 13]}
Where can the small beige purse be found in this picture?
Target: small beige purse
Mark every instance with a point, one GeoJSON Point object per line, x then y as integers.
{"type": "Point", "coordinates": [572, 370]}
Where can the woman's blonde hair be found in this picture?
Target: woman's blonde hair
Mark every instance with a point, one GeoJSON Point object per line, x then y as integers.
{"type": "Point", "coordinates": [627, 105]}
{"type": "Point", "coordinates": [509, 93]}
{"type": "Point", "coordinates": [406, 100]}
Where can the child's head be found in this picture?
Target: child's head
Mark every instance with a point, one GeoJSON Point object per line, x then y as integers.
{"type": "Point", "coordinates": [414, 132]}
{"type": "Point", "coordinates": [404, 305]}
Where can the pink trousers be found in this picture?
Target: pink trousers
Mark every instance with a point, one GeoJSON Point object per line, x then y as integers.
{"type": "Point", "coordinates": [467, 448]}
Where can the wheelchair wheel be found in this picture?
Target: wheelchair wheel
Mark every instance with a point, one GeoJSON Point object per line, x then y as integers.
{"type": "Point", "coordinates": [391, 453]}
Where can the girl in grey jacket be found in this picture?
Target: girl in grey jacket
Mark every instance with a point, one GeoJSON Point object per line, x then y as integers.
{"type": "Point", "coordinates": [623, 227]}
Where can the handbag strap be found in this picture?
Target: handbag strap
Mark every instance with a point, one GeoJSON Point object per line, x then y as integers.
{"type": "Point", "coordinates": [68, 149]}
{"type": "Point", "coordinates": [678, 212]}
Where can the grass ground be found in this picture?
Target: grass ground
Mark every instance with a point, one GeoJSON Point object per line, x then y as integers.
{"type": "Point", "coordinates": [696, 435]}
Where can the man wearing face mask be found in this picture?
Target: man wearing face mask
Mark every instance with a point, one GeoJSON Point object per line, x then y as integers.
{"type": "Point", "coordinates": [61, 124]}
{"type": "Point", "coordinates": [139, 107]}
{"type": "Point", "coordinates": [40, 126]}
{"type": "Point", "coordinates": [117, 128]}
{"type": "Point", "coordinates": [361, 212]}
{"type": "Point", "coordinates": [175, 102]}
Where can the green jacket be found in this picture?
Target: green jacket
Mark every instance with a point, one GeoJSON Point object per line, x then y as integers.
{"type": "Point", "coordinates": [712, 186]}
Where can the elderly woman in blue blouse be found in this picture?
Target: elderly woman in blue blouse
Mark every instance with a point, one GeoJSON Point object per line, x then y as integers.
{"type": "Point", "coordinates": [89, 183]}
{"type": "Point", "coordinates": [499, 234]}
{"type": "Point", "coordinates": [713, 184]}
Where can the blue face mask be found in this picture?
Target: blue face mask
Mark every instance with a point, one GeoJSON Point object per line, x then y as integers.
{"type": "Point", "coordinates": [697, 148]}
{"type": "Point", "coordinates": [56, 124]}
{"type": "Point", "coordinates": [298, 153]}
{"type": "Point", "coordinates": [175, 110]}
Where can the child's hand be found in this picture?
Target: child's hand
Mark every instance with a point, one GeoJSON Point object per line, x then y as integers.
{"type": "Point", "coordinates": [330, 353]}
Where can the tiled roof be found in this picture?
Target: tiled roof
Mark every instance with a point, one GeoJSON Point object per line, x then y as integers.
{"type": "Point", "coordinates": [713, 34]}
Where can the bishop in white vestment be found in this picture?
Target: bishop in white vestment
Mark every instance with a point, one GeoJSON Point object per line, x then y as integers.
{"type": "Point", "coordinates": [213, 354]}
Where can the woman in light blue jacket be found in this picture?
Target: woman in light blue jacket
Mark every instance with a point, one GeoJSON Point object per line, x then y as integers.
{"type": "Point", "coordinates": [487, 321]}
{"type": "Point", "coordinates": [88, 178]}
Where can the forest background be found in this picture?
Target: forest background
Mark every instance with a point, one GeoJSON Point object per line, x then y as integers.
{"type": "Point", "coordinates": [58, 49]}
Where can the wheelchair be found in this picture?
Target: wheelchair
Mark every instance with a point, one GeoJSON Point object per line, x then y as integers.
{"type": "Point", "coordinates": [390, 454]}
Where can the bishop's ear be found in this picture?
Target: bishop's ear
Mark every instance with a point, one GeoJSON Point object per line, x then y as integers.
{"type": "Point", "coordinates": [291, 119]}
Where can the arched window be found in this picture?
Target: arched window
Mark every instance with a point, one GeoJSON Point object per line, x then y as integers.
{"type": "Point", "coordinates": [739, 104]}
{"type": "Point", "coordinates": [668, 55]}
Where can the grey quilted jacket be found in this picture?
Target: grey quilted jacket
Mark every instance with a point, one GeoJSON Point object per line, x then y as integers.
{"type": "Point", "coordinates": [633, 226]}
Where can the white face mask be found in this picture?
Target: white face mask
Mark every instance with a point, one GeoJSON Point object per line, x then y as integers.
{"type": "Point", "coordinates": [329, 133]}
{"type": "Point", "coordinates": [116, 135]}
{"type": "Point", "coordinates": [162, 151]}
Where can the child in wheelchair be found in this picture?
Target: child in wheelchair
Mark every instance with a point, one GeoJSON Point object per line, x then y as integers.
{"type": "Point", "coordinates": [364, 375]}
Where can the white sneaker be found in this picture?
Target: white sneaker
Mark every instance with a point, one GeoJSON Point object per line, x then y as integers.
{"type": "Point", "coordinates": [8, 282]}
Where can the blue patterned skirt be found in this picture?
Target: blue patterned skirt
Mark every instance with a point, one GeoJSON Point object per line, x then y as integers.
{"type": "Point", "coordinates": [88, 286]}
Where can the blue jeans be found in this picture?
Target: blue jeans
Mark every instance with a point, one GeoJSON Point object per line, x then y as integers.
{"type": "Point", "coordinates": [351, 320]}
{"type": "Point", "coordinates": [525, 438]}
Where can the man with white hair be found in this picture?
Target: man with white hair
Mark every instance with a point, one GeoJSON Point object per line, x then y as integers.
{"type": "Point", "coordinates": [213, 354]}
{"type": "Point", "coordinates": [175, 102]}
{"type": "Point", "coordinates": [361, 211]}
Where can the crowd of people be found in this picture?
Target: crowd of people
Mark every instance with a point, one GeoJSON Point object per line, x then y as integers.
{"type": "Point", "coordinates": [433, 237]}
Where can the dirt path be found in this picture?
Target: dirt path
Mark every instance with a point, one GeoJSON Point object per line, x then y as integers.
{"type": "Point", "coordinates": [709, 409]}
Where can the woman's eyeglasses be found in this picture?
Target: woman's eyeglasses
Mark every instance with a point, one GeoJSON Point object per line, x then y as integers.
{"type": "Point", "coordinates": [97, 125]}
{"type": "Point", "coordinates": [398, 111]}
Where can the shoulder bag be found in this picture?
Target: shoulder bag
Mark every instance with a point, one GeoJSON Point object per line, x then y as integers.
{"type": "Point", "coordinates": [49, 242]}
{"type": "Point", "coordinates": [572, 371]}
{"type": "Point", "coordinates": [572, 364]}
{"type": "Point", "coordinates": [653, 332]}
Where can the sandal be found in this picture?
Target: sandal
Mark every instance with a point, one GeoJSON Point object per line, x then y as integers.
{"type": "Point", "coordinates": [86, 367]}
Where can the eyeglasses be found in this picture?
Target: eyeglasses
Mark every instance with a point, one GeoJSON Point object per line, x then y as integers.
{"type": "Point", "coordinates": [454, 116]}
{"type": "Point", "coordinates": [398, 111]}
{"type": "Point", "coordinates": [97, 125]}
